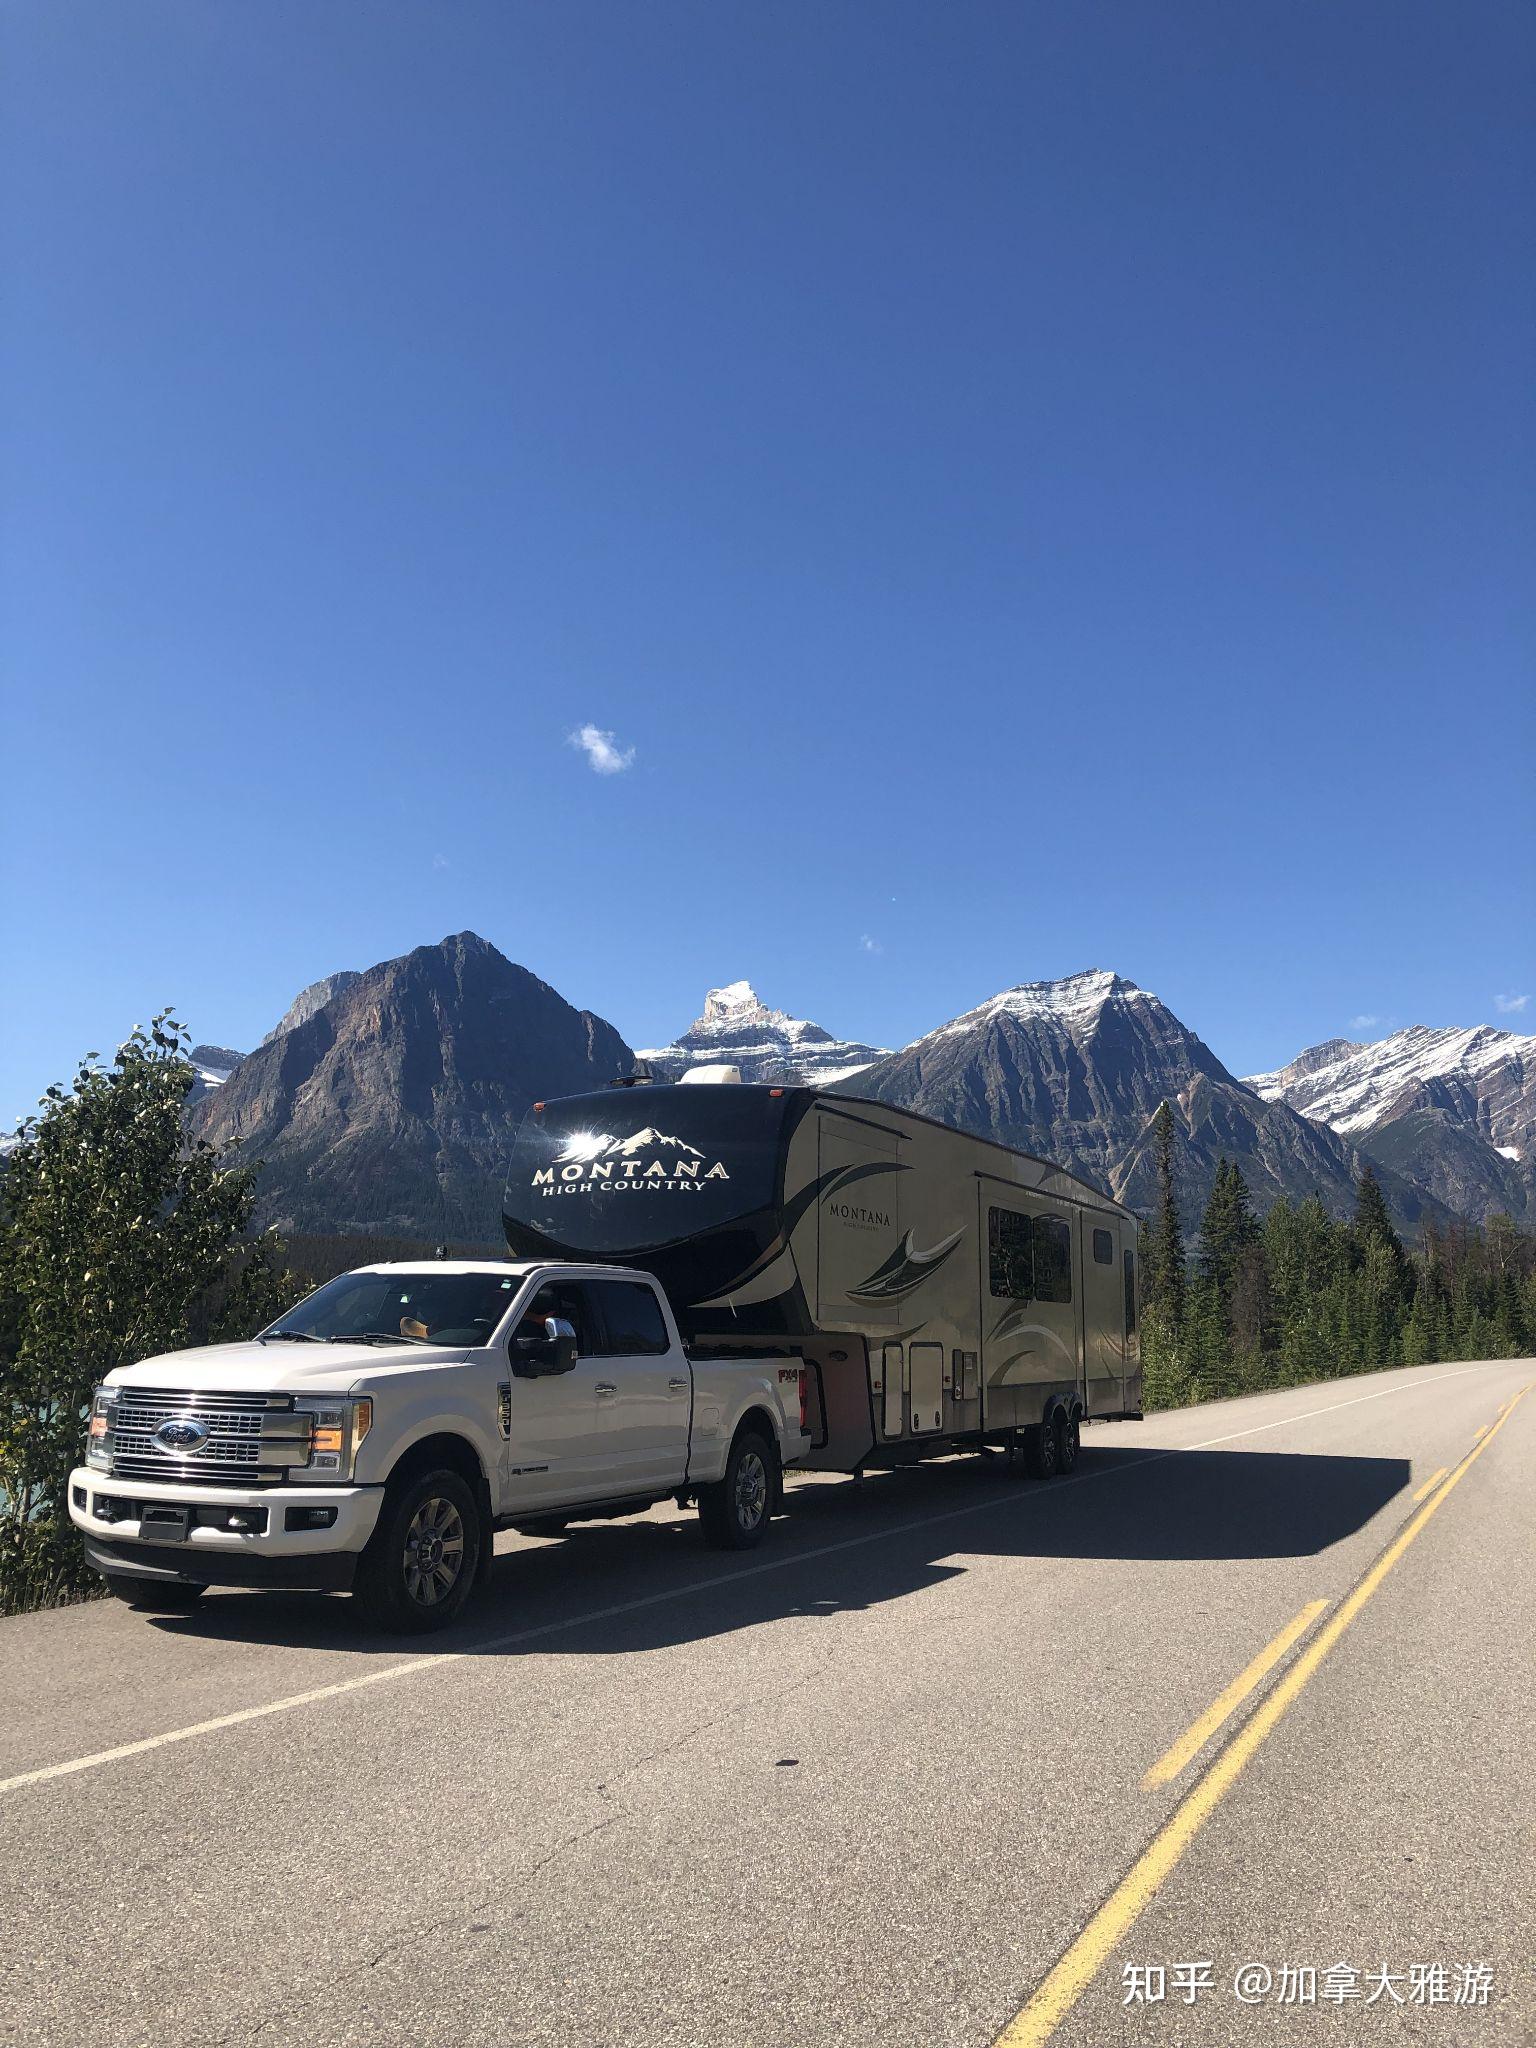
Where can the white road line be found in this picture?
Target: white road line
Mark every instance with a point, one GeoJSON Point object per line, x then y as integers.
{"type": "Point", "coordinates": [1380, 1395]}
{"type": "Point", "coordinates": [776, 1564]}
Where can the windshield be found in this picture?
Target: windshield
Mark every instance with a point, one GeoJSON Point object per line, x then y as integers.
{"type": "Point", "coordinates": [402, 1308]}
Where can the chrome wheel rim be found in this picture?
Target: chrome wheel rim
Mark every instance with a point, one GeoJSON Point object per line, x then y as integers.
{"type": "Point", "coordinates": [751, 1490]}
{"type": "Point", "coordinates": [434, 1551]}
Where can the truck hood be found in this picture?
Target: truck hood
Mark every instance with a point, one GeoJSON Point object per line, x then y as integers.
{"type": "Point", "coordinates": [253, 1368]}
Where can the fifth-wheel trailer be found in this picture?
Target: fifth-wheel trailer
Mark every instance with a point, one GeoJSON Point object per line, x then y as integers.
{"type": "Point", "coordinates": [942, 1289]}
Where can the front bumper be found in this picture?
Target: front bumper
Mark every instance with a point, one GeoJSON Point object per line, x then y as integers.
{"type": "Point", "coordinates": [275, 1555]}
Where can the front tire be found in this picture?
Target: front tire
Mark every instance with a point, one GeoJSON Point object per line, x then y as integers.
{"type": "Point", "coordinates": [176, 1598]}
{"type": "Point", "coordinates": [735, 1511]}
{"type": "Point", "coordinates": [420, 1564]}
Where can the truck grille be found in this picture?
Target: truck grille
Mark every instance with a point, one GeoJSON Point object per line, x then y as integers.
{"type": "Point", "coordinates": [251, 1438]}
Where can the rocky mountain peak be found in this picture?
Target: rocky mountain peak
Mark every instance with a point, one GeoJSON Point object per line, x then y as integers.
{"type": "Point", "coordinates": [391, 1104]}
{"type": "Point", "coordinates": [737, 1028]}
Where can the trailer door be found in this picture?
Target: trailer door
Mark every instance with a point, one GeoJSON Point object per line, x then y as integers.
{"type": "Point", "coordinates": [1103, 1314]}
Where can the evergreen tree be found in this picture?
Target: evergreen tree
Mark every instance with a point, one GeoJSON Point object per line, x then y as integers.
{"type": "Point", "coordinates": [1373, 1225]}
{"type": "Point", "coordinates": [1163, 1257]}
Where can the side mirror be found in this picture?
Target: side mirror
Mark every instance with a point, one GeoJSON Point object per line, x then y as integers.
{"type": "Point", "coordinates": [541, 1357]}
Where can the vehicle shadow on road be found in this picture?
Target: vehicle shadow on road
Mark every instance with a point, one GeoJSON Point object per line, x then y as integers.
{"type": "Point", "coordinates": [840, 1546]}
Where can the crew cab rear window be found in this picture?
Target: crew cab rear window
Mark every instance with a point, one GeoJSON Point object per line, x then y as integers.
{"type": "Point", "coordinates": [634, 1326]}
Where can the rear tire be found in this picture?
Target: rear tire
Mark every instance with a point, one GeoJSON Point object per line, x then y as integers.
{"type": "Point", "coordinates": [735, 1511]}
{"type": "Point", "coordinates": [421, 1561]}
{"type": "Point", "coordinates": [1040, 1450]}
{"type": "Point", "coordinates": [148, 1598]}
{"type": "Point", "coordinates": [1068, 1441]}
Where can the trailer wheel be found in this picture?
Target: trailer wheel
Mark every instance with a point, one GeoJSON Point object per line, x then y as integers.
{"type": "Point", "coordinates": [1069, 1439]}
{"type": "Point", "coordinates": [1041, 1450]}
{"type": "Point", "coordinates": [420, 1564]}
{"type": "Point", "coordinates": [734, 1512]}
{"type": "Point", "coordinates": [150, 1598]}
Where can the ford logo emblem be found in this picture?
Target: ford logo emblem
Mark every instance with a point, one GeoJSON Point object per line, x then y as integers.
{"type": "Point", "coordinates": [182, 1435]}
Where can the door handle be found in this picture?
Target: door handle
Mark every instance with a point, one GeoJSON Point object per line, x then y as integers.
{"type": "Point", "coordinates": [677, 1386]}
{"type": "Point", "coordinates": [605, 1387]}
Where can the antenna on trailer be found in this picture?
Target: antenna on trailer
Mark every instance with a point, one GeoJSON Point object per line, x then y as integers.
{"type": "Point", "coordinates": [642, 1077]}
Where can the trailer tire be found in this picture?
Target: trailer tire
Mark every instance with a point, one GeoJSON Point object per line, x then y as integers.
{"type": "Point", "coordinates": [422, 1560]}
{"type": "Point", "coordinates": [1041, 1447]}
{"type": "Point", "coordinates": [1069, 1440]}
{"type": "Point", "coordinates": [149, 1598]}
{"type": "Point", "coordinates": [734, 1512]}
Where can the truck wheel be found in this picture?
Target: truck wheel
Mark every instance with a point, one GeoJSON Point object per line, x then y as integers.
{"type": "Point", "coordinates": [1069, 1441]}
{"type": "Point", "coordinates": [734, 1512]}
{"type": "Point", "coordinates": [149, 1598]}
{"type": "Point", "coordinates": [1041, 1450]}
{"type": "Point", "coordinates": [420, 1564]}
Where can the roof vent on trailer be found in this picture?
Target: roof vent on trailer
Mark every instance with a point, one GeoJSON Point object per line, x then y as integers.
{"type": "Point", "coordinates": [712, 1077]}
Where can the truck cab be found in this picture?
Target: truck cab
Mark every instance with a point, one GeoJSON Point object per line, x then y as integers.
{"type": "Point", "coordinates": [376, 1436]}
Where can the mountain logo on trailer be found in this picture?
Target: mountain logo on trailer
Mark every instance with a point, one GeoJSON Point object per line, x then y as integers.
{"type": "Point", "coordinates": [596, 1162]}
{"type": "Point", "coordinates": [587, 1145]}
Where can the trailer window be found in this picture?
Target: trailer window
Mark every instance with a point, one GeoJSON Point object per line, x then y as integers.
{"type": "Point", "coordinates": [1130, 1294]}
{"type": "Point", "coordinates": [1103, 1248]}
{"type": "Point", "coordinates": [632, 1319]}
{"type": "Point", "coordinates": [1053, 1259]}
{"type": "Point", "coordinates": [1010, 1254]}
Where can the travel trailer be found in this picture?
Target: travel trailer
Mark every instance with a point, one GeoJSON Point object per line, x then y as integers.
{"type": "Point", "coordinates": [942, 1290]}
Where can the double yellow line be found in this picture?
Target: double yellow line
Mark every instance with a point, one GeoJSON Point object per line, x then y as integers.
{"type": "Point", "coordinates": [1039, 2018]}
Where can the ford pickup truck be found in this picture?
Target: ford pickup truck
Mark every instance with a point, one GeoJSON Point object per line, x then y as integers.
{"type": "Point", "coordinates": [376, 1436]}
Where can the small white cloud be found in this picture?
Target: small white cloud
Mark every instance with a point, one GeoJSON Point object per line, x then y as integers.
{"type": "Point", "coordinates": [441, 860]}
{"type": "Point", "coordinates": [1510, 1005]}
{"type": "Point", "coordinates": [869, 945]}
{"type": "Point", "coordinates": [603, 755]}
{"type": "Point", "coordinates": [1362, 1023]}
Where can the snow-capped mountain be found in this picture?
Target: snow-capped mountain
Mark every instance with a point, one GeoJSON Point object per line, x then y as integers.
{"type": "Point", "coordinates": [1487, 1076]}
{"type": "Point", "coordinates": [738, 1029]}
{"type": "Point", "coordinates": [213, 1065]}
{"type": "Point", "coordinates": [1074, 1070]}
{"type": "Point", "coordinates": [1453, 1108]}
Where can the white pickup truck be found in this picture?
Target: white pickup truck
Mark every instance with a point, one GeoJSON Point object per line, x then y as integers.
{"type": "Point", "coordinates": [376, 1436]}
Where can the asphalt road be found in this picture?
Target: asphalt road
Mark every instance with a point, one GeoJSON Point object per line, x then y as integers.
{"type": "Point", "coordinates": [883, 1780]}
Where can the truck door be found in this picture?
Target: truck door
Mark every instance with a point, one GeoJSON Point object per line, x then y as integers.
{"type": "Point", "coordinates": [646, 1417]}
{"type": "Point", "coordinates": [559, 1450]}
{"type": "Point", "coordinates": [1103, 1315]}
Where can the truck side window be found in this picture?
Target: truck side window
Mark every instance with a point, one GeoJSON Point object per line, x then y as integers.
{"type": "Point", "coordinates": [1053, 1259]}
{"type": "Point", "coordinates": [570, 1299]}
{"type": "Point", "coordinates": [1103, 1248]}
{"type": "Point", "coordinates": [1010, 1255]}
{"type": "Point", "coordinates": [633, 1324]}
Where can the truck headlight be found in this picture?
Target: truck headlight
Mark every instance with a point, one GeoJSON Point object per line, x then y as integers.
{"type": "Point", "coordinates": [98, 1430]}
{"type": "Point", "coordinates": [338, 1424]}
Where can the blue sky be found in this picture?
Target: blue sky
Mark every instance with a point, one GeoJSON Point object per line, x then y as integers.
{"type": "Point", "coordinates": [1025, 487]}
